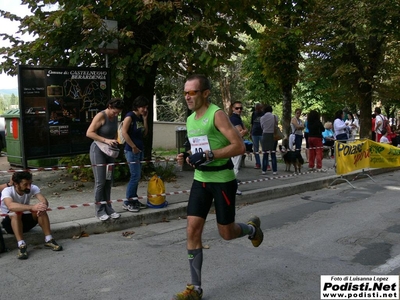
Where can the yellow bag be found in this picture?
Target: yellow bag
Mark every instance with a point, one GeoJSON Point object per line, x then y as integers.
{"type": "Point", "coordinates": [155, 187]}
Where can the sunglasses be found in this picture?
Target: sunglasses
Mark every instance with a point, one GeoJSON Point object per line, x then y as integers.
{"type": "Point", "coordinates": [239, 107]}
{"type": "Point", "coordinates": [191, 93]}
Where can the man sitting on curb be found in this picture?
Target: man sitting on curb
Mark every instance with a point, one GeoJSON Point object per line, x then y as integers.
{"type": "Point", "coordinates": [15, 200]}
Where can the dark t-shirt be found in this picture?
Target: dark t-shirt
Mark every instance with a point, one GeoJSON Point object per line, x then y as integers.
{"type": "Point", "coordinates": [315, 128]}
{"type": "Point", "coordinates": [255, 122]}
{"type": "Point", "coordinates": [136, 130]}
{"type": "Point", "coordinates": [236, 120]}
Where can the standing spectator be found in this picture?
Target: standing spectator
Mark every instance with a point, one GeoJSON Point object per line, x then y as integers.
{"type": "Point", "coordinates": [209, 125]}
{"type": "Point", "coordinates": [256, 132]}
{"type": "Point", "coordinates": [297, 127]}
{"type": "Point", "coordinates": [328, 137]}
{"type": "Point", "coordinates": [384, 139]}
{"type": "Point", "coordinates": [306, 137]}
{"type": "Point", "coordinates": [354, 126]}
{"type": "Point", "coordinates": [236, 120]}
{"type": "Point", "coordinates": [268, 122]}
{"type": "Point", "coordinates": [16, 199]}
{"type": "Point", "coordinates": [103, 129]}
{"type": "Point", "coordinates": [379, 123]}
{"type": "Point", "coordinates": [340, 128]}
{"type": "Point", "coordinates": [357, 121]}
{"type": "Point", "coordinates": [134, 128]}
{"type": "Point", "coordinates": [315, 129]}
{"type": "Point", "coordinates": [373, 134]}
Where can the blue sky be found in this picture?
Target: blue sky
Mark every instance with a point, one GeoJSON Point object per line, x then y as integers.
{"type": "Point", "coordinates": [6, 26]}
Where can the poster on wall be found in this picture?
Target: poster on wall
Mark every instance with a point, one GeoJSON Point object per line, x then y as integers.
{"type": "Point", "coordinates": [57, 106]}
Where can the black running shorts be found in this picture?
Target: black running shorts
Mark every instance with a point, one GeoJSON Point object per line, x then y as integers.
{"type": "Point", "coordinates": [28, 223]}
{"type": "Point", "coordinates": [202, 195]}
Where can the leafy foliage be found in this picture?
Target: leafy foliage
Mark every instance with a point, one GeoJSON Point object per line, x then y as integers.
{"type": "Point", "coordinates": [351, 45]}
{"type": "Point", "coordinates": [154, 37]}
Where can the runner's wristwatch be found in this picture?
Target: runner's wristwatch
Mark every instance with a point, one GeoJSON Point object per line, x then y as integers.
{"type": "Point", "coordinates": [210, 155]}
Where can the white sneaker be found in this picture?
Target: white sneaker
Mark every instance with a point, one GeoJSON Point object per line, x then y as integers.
{"type": "Point", "coordinates": [104, 217]}
{"type": "Point", "coordinates": [115, 215]}
{"type": "Point", "coordinates": [263, 173]}
{"type": "Point", "coordinates": [274, 173]}
{"type": "Point", "coordinates": [238, 192]}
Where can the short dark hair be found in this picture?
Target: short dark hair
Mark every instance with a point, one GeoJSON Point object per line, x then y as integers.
{"type": "Point", "coordinates": [235, 102]}
{"type": "Point", "coordinates": [117, 103]}
{"type": "Point", "coordinates": [338, 114]}
{"type": "Point", "coordinates": [17, 177]}
{"type": "Point", "coordinates": [204, 81]}
{"type": "Point", "coordinates": [267, 108]}
{"type": "Point", "coordinates": [313, 116]}
{"type": "Point", "coordinates": [378, 110]}
{"type": "Point", "coordinates": [140, 101]}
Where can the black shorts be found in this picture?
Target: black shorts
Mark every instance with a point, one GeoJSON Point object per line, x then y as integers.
{"type": "Point", "coordinates": [28, 222]}
{"type": "Point", "coordinates": [202, 195]}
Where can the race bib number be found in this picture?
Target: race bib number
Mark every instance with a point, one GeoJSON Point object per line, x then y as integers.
{"type": "Point", "coordinates": [199, 144]}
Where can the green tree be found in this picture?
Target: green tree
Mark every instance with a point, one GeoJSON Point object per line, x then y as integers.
{"type": "Point", "coordinates": [259, 88]}
{"type": "Point", "coordinates": [167, 37]}
{"type": "Point", "coordinates": [281, 45]}
{"type": "Point", "coordinates": [351, 44]}
{"type": "Point", "coordinates": [14, 100]}
{"type": "Point", "coordinates": [318, 93]}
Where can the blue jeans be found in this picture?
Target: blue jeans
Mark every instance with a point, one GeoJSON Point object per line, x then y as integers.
{"type": "Point", "coordinates": [256, 147]}
{"type": "Point", "coordinates": [298, 140]}
{"type": "Point", "coordinates": [135, 170]}
{"type": "Point", "coordinates": [273, 161]}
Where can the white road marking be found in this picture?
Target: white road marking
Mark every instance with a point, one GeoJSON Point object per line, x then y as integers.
{"type": "Point", "coordinates": [389, 266]}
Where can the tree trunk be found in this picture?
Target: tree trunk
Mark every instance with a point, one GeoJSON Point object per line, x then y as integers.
{"type": "Point", "coordinates": [224, 85]}
{"type": "Point", "coordinates": [286, 109]}
{"type": "Point", "coordinates": [365, 94]}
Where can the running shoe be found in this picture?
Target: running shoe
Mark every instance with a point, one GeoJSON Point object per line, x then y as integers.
{"type": "Point", "coordinates": [104, 217]}
{"type": "Point", "coordinates": [53, 245]}
{"type": "Point", "coordinates": [131, 207]}
{"type": "Point", "coordinates": [22, 252]}
{"type": "Point", "coordinates": [115, 215]}
{"type": "Point", "coordinates": [189, 294]}
{"type": "Point", "coordinates": [258, 236]}
{"type": "Point", "coordinates": [142, 206]}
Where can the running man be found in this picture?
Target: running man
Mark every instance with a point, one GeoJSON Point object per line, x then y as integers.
{"type": "Point", "coordinates": [213, 141]}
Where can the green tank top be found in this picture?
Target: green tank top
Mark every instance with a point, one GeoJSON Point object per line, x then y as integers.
{"type": "Point", "coordinates": [203, 135]}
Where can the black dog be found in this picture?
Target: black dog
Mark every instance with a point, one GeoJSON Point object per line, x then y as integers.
{"type": "Point", "coordinates": [291, 158]}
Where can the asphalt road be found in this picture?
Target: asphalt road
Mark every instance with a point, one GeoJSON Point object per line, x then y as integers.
{"type": "Point", "coordinates": [337, 230]}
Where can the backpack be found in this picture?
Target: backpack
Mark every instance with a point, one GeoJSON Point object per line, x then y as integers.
{"type": "Point", "coordinates": [120, 138]}
{"type": "Point", "coordinates": [385, 124]}
{"type": "Point", "coordinates": [156, 187]}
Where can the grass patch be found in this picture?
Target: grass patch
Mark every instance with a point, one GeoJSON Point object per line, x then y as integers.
{"type": "Point", "coordinates": [162, 152]}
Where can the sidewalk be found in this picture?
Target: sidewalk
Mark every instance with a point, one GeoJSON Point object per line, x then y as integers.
{"type": "Point", "coordinates": [63, 194]}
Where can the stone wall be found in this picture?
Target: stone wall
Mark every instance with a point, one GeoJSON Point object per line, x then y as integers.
{"type": "Point", "coordinates": [164, 134]}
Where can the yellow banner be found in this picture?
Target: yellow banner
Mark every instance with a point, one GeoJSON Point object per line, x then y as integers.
{"type": "Point", "coordinates": [362, 154]}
